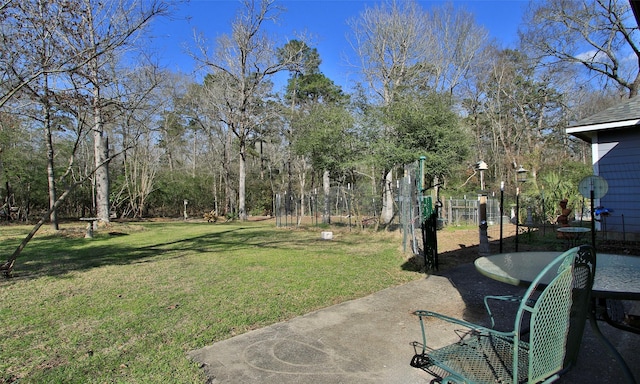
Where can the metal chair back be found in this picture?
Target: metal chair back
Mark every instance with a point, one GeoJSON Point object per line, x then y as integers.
{"type": "Point", "coordinates": [558, 315]}
{"type": "Point", "coordinates": [545, 339]}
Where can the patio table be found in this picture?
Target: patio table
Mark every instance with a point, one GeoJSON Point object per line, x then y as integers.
{"type": "Point", "coordinates": [617, 277]}
{"type": "Point", "coordinates": [573, 234]}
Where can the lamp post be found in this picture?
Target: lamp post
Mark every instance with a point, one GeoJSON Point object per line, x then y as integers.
{"type": "Point", "coordinates": [521, 174]}
{"type": "Point", "coordinates": [501, 212]}
{"type": "Point", "coordinates": [521, 177]}
{"type": "Point", "coordinates": [483, 249]}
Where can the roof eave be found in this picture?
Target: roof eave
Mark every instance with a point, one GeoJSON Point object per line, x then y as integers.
{"type": "Point", "coordinates": [588, 132]}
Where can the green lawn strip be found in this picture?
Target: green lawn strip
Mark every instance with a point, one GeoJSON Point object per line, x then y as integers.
{"type": "Point", "coordinates": [127, 308]}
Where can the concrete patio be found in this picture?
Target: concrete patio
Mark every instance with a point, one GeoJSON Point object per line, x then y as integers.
{"type": "Point", "coordinates": [369, 340]}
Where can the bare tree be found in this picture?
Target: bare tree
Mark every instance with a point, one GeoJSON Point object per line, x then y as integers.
{"type": "Point", "coordinates": [403, 47]}
{"type": "Point", "coordinates": [456, 45]}
{"type": "Point", "coordinates": [28, 28]}
{"type": "Point", "coordinates": [135, 105]}
{"type": "Point", "coordinates": [242, 66]}
{"type": "Point", "coordinates": [37, 50]}
{"type": "Point", "coordinates": [142, 99]}
{"type": "Point", "coordinates": [518, 115]}
{"type": "Point", "coordinates": [104, 31]}
{"type": "Point", "coordinates": [390, 40]}
{"type": "Point", "coordinates": [599, 35]}
{"type": "Point", "coordinates": [80, 39]}
{"type": "Point", "coordinates": [202, 107]}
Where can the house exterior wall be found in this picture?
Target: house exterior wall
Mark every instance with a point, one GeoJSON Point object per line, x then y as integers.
{"type": "Point", "coordinates": [617, 159]}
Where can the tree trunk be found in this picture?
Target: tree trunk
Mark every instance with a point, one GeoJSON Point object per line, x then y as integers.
{"type": "Point", "coordinates": [229, 200]}
{"type": "Point", "coordinates": [326, 187]}
{"type": "Point", "coordinates": [100, 154]}
{"type": "Point", "coordinates": [4, 182]}
{"type": "Point", "coordinates": [242, 175]}
{"type": "Point", "coordinates": [302, 179]}
{"type": "Point", "coordinates": [386, 214]}
{"type": "Point", "coordinates": [51, 179]}
{"type": "Point", "coordinates": [53, 218]}
{"type": "Point", "coordinates": [261, 160]}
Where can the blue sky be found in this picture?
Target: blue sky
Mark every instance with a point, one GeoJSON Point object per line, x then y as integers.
{"type": "Point", "coordinates": [324, 20]}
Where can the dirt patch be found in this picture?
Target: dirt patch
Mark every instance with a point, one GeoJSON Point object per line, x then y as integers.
{"type": "Point", "coordinates": [457, 247]}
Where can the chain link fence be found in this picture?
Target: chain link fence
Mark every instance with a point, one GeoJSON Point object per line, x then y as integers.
{"type": "Point", "coordinates": [344, 205]}
{"type": "Point", "coordinates": [359, 206]}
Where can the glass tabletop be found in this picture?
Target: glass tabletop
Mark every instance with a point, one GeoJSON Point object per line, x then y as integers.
{"type": "Point", "coordinates": [617, 276]}
{"type": "Point", "coordinates": [573, 229]}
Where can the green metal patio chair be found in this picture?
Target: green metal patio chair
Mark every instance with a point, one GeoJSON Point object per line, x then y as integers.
{"type": "Point", "coordinates": [553, 316]}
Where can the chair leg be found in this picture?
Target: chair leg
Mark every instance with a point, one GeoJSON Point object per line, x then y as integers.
{"type": "Point", "coordinates": [612, 350]}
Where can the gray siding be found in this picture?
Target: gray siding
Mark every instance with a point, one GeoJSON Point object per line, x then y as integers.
{"type": "Point", "coordinates": [619, 164]}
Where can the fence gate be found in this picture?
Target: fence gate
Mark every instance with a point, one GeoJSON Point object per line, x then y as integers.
{"type": "Point", "coordinates": [429, 236]}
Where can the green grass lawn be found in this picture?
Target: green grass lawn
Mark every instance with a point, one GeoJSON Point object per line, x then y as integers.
{"type": "Point", "coordinates": [127, 306]}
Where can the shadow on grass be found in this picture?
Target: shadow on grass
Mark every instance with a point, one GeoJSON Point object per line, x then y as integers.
{"type": "Point", "coordinates": [53, 255]}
